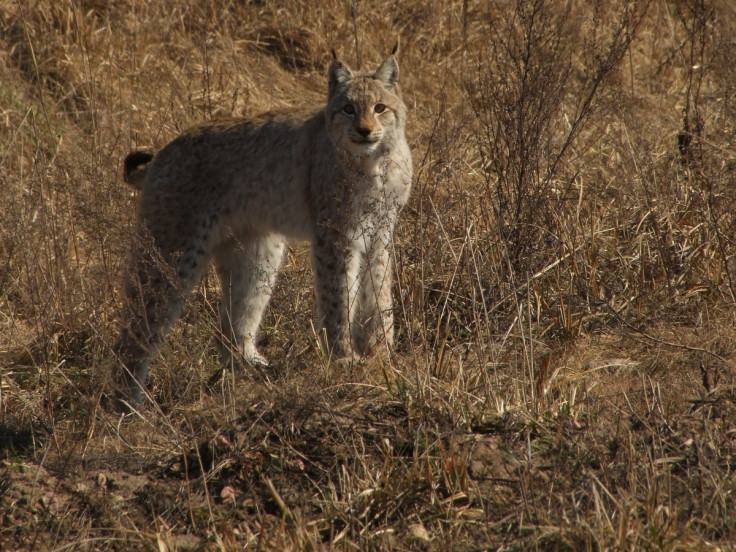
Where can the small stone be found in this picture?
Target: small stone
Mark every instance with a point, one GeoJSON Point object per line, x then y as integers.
{"type": "Point", "coordinates": [418, 531]}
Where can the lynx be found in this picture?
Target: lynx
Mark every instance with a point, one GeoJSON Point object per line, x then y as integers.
{"type": "Point", "coordinates": [236, 192]}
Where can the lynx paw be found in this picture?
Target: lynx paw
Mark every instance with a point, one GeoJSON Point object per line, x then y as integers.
{"type": "Point", "coordinates": [256, 359]}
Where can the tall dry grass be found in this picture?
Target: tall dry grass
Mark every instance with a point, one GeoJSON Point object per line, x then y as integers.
{"type": "Point", "coordinates": [564, 295]}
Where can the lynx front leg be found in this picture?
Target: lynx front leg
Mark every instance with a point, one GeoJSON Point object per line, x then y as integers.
{"type": "Point", "coordinates": [247, 272]}
{"type": "Point", "coordinates": [336, 280]}
{"type": "Point", "coordinates": [374, 318]}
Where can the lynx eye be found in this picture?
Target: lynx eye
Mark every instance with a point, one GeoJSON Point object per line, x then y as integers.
{"type": "Point", "coordinates": [349, 109]}
{"type": "Point", "coordinates": [379, 108]}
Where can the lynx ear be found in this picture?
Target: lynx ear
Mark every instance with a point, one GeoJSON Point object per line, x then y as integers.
{"type": "Point", "coordinates": [388, 72]}
{"type": "Point", "coordinates": [339, 74]}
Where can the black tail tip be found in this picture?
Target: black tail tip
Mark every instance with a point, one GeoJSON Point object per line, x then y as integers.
{"type": "Point", "coordinates": [135, 160]}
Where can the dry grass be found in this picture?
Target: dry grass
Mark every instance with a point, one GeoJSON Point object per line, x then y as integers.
{"type": "Point", "coordinates": [564, 377]}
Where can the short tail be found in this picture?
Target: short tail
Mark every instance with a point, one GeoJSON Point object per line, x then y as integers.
{"type": "Point", "coordinates": [134, 169]}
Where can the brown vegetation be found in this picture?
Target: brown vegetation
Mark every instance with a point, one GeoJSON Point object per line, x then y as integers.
{"type": "Point", "coordinates": [565, 289]}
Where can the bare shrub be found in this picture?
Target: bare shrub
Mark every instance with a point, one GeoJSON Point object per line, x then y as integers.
{"type": "Point", "coordinates": [538, 71]}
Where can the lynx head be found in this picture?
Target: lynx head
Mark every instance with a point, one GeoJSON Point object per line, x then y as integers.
{"type": "Point", "coordinates": [365, 113]}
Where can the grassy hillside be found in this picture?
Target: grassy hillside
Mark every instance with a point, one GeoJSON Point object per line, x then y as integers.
{"type": "Point", "coordinates": [565, 284]}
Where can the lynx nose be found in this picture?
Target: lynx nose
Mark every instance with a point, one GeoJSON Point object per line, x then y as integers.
{"type": "Point", "coordinates": [364, 131]}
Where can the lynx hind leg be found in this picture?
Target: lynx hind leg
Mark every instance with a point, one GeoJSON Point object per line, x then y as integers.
{"type": "Point", "coordinates": [164, 268]}
{"type": "Point", "coordinates": [154, 293]}
{"type": "Point", "coordinates": [374, 320]}
{"type": "Point", "coordinates": [247, 271]}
